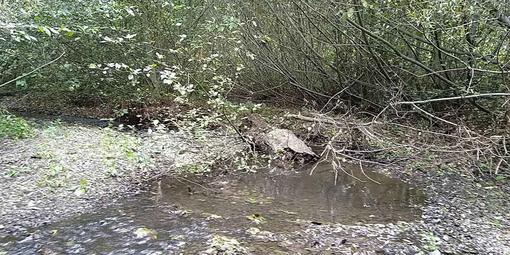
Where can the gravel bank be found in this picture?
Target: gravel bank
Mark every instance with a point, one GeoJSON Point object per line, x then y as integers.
{"type": "Point", "coordinates": [69, 169]}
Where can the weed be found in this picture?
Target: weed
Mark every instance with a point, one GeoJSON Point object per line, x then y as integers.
{"type": "Point", "coordinates": [498, 223]}
{"type": "Point", "coordinates": [14, 127]}
{"type": "Point", "coordinates": [197, 168]}
{"type": "Point", "coordinates": [256, 218]}
{"type": "Point", "coordinates": [54, 128]}
{"type": "Point", "coordinates": [44, 151]}
{"type": "Point", "coordinates": [111, 167]}
{"type": "Point", "coordinates": [500, 178]}
{"type": "Point", "coordinates": [118, 147]}
{"type": "Point", "coordinates": [224, 245]}
{"type": "Point", "coordinates": [56, 176]}
{"type": "Point", "coordinates": [13, 172]}
{"type": "Point", "coordinates": [16, 171]}
{"type": "Point", "coordinates": [83, 187]}
{"type": "Point", "coordinates": [430, 241]}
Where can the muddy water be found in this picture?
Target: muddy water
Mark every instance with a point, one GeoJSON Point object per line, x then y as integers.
{"type": "Point", "coordinates": [182, 215]}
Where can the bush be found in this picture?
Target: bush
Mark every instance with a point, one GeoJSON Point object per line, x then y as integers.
{"type": "Point", "coordinates": [122, 50]}
{"type": "Point", "coordinates": [362, 54]}
{"type": "Point", "coordinates": [14, 127]}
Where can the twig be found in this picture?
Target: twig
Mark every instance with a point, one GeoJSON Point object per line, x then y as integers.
{"type": "Point", "coordinates": [434, 116]}
{"type": "Point", "coordinates": [33, 71]}
{"type": "Point", "coordinates": [250, 144]}
{"type": "Point", "coordinates": [337, 165]}
{"type": "Point", "coordinates": [363, 172]}
{"type": "Point", "coordinates": [180, 179]}
{"type": "Point", "coordinates": [453, 98]}
{"type": "Point", "coordinates": [312, 119]}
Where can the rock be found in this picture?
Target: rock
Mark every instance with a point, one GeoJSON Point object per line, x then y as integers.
{"type": "Point", "coordinates": [436, 252]}
{"type": "Point", "coordinates": [269, 139]}
{"type": "Point", "coordinates": [283, 139]}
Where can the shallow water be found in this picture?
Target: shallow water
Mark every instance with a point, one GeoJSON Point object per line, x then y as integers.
{"type": "Point", "coordinates": [180, 215]}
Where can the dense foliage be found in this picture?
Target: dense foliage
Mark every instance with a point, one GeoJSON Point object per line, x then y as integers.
{"type": "Point", "coordinates": [330, 54]}
{"type": "Point", "coordinates": [121, 48]}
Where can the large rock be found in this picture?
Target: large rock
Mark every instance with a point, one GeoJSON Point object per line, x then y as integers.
{"type": "Point", "coordinates": [275, 140]}
{"type": "Point", "coordinates": [280, 140]}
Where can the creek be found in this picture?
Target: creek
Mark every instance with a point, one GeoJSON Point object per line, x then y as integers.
{"type": "Point", "coordinates": [183, 215]}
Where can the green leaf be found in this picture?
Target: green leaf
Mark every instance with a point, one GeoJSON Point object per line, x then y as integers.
{"type": "Point", "coordinates": [45, 30]}
{"type": "Point", "coordinates": [500, 178]}
{"type": "Point", "coordinates": [350, 13]}
{"type": "Point", "coordinates": [365, 3]}
{"type": "Point", "coordinates": [21, 83]}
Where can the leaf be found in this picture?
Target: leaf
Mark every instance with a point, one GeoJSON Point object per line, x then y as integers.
{"type": "Point", "coordinates": [365, 3]}
{"type": "Point", "coordinates": [500, 178]}
{"type": "Point", "coordinates": [84, 183]}
{"type": "Point", "coordinates": [45, 30]}
{"type": "Point", "coordinates": [350, 13]}
{"type": "Point", "coordinates": [21, 83]}
{"type": "Point", "coordinates": [130, 12]}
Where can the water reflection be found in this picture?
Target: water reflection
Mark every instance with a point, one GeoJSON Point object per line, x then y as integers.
{"type": "Point", "coordinates": [310, 197]}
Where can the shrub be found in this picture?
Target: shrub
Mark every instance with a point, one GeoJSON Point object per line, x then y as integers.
{"type": "Point", "coordinates": [14, 127]}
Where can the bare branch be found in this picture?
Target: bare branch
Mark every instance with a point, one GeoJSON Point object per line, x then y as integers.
{"type": "Point", "coordinates": [454, 98]}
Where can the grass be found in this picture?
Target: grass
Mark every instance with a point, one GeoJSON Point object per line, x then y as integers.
{"type": "Point", "coordinates": [14, 127]}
